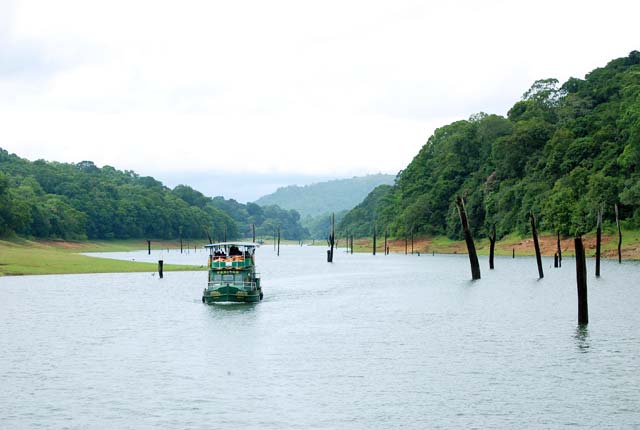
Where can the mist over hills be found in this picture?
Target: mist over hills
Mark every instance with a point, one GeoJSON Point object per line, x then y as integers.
{"type": "Point", "coordinates": [325, 197]}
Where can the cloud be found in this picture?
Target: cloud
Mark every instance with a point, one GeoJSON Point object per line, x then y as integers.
{"type": "Point", "coordinates": [331, 88]}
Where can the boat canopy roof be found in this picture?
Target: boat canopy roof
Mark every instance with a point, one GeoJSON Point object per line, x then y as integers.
{"type": "Point", "coordinates": [226, 244]}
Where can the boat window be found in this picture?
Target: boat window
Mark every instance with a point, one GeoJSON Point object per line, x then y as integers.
{"type": "Point", "coordinates": [227, 277]}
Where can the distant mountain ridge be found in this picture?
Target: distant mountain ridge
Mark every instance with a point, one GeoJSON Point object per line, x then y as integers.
{"type": "Point", "coordinates": [323, 197]}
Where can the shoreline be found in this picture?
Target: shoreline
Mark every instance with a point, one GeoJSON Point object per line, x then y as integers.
{"type": "Point", "coordinates": [20, 257]}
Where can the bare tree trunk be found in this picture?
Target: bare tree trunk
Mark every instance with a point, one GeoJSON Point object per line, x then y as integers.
{"type": "Point", "coordinates": [598, 241]}
{"type": "Point", "coordinates": [332, 239]}
{"type": "Point", "coordinates": [385, 243]}
{"type": "Point", "coordinates": [471, 248]}
{"type": "Point", "coordinates": [536, 245]}
{"type": "Point", "coordinates": [492, 246]}
{"type": "Point", "coordinates": [619, 236]}
{"type": "Point", "coordinates": [559, 252]}
{"type": "Point", "coordinates": [581, 280]}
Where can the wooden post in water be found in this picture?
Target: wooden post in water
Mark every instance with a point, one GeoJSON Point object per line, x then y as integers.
{"type": "Point", "coordinates": [332, 238]}
{"type": "Point", "coordinates": [374, 239]}
{"type": "Point", "coordinates": [352, 244]}
{"type": "Point", "coordinates": [581, 279]}
{"type": "Point", "coordinates": [471, 248]}
{"type": "Point", "coordinates": [160, 268]}
{"type": "Point", "coordinates": [253, 233]}
{"type": "Point", "coordinates": [555, 260]}
{"type": "Point", "coordinates": [598, 241]}
{"type": "Point", "coordinates": [278, 241]}
{"type": "Point", "coordinates": [148, 247]}
{"type": "Point", "coordinates": [513, 253]}
{"type": "Point", "coordinates": [492, 246]}
{"type": "Point", "coordinates": [274, 238]}
{"type": "Point", "coordinates": [619, 236]}
{"type": "Point", "coordinates": [536, 244]}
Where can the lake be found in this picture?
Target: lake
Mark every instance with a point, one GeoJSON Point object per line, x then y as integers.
{"type": "Point", "coordinates": [368, 342]}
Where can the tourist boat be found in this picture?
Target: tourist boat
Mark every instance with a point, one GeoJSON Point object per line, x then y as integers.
{"type": "Point", "coordinates": [232, 273]}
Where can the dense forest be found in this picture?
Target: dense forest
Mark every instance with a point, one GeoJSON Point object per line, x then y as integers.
{"type": "Point", "coordinates": [563, 152]}
{"type": "Point", "coordinates": [77, 201]}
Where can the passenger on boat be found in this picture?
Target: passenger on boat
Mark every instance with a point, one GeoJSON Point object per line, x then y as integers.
{"type": "Point", "coordinates": [234, 251]}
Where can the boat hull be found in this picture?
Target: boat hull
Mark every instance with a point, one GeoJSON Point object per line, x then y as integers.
{"type": "Point", "coordinates": [230, 294]}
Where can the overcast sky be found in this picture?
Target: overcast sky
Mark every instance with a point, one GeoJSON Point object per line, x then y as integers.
{"type": "Point", "coordinates": [279, 90]}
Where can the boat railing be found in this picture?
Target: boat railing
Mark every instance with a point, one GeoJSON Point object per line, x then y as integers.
{"type": "Point", "coordinates": [230, 262]}
{"type": "Point", "coordinates": [245, 285]}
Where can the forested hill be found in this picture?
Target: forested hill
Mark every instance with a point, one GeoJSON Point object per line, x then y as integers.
{"type": "Point", "coordinates": [563, 151]}
{"type": "Point", "coordinates": [76, 201]}
{"type": "Point", "coordinates": [325, 197]}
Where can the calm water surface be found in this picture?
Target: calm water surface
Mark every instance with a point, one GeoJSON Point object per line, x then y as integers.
{"type": "Point", "coordinates": [367, 342]}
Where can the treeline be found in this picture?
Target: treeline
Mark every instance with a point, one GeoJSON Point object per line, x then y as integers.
{"type": "Point", "coordinates": [78, 201]}
{"type": "Point", "coordinates": [563, 152]}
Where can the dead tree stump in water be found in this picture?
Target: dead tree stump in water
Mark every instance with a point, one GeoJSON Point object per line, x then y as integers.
{"type": "Point", "coordinates": [536, 245]}
{"type": "Point", "coordinates": [332, 239]}
{"type": "Point", "coordinates": [385, 243]}
{"type": "Point", "coordinates": [471, 248]}
{"type": "Point", "coordinates": [619, 236]}
{"type": "Point", "coordinates": [559, 252]}
{"type": "Point", "coordinates": [581, 280]}
{"type": "Point", "coordinates": [598, 241]}
{"type": "Point", "coordinates": [492, 246]}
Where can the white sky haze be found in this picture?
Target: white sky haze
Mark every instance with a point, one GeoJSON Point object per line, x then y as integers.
{"type": "Point", "coordinates": [278, 88]}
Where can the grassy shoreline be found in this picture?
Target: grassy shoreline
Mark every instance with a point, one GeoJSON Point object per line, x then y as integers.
{"type": "Point", "coordinates": [47, 257]}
